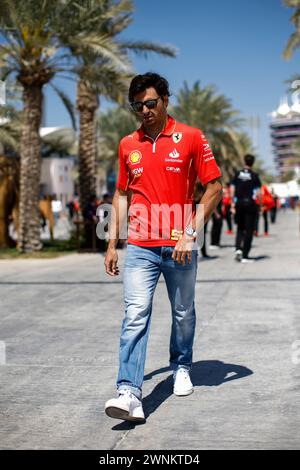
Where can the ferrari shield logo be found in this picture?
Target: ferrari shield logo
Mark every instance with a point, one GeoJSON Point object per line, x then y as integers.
{"type": "Point", "coordinates": [177, 136]}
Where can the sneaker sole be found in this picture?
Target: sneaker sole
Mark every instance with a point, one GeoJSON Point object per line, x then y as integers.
{"type": "Point", "coordinates": [183, 394]}
{"type": "Point", "coordinates": [118, 413]}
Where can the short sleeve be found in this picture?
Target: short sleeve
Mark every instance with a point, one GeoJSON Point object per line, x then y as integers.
{"type": "Point", "coordinates": [204, 160]}
{"type": "Point", "coordinates": [123, 178]}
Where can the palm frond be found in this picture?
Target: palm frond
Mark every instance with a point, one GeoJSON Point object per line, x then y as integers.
{"type": "Point", "coordinates": [67, 103]}
{"type": "Point", "coordinates": [293, 43]}
{"type": "Point", "coordinates": [143, 48]}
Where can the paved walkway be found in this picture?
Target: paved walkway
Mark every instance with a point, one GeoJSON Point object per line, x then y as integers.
{"type": "Point", "coordinates": [60, 325]}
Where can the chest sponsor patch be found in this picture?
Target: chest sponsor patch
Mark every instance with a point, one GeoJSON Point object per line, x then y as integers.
{"type": "Point", "coordinates": [174, 154]}
{"type": "Point", "coordinates": [173, 169]}
{"type": "Point", "coordinates": [135, 157]}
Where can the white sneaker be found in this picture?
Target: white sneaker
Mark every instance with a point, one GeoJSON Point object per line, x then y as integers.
{"type": "Point", "coordinates": [182, 382]}
{"type": "Point", "coordinates": [247, 260]}
{"type": "Point", "coordinates": [214, 247]}
{"type": "Point", "coordinates": [238, 255]}
{"type": "Point", "coordinates": [126, 406]}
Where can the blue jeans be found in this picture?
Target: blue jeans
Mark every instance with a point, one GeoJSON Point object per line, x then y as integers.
{"type": "Point", "coordinates": [142, 270]}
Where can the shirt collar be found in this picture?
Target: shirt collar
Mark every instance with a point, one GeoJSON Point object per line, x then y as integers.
{"type": "Point", "coordinates": [168, 129]}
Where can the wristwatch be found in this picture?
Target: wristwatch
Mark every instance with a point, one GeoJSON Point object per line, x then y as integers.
{"type": "Point", "coordinates": [190, 232]}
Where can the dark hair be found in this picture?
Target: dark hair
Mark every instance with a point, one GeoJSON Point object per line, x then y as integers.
{"type": "Point", "coordinates": [141, 82]}
{"type": "Point", "coordinates": [249, 159]}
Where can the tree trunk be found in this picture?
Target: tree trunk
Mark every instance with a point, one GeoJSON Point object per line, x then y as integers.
{"type": "Point", "coordinates": [29, 222]}
{"type": "Point", "coordinates": [87, 103]}
{"type": "Point", "coordinates": [9, 191]}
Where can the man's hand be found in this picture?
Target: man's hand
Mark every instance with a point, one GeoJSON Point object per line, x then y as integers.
{"type": "Point", "coordinates": [111, 262]}
{"type": "Point", "coordinates": [183, 250]}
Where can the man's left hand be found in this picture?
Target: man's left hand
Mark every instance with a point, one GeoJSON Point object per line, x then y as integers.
{"type": "Point", "coordinates": [183, 250]}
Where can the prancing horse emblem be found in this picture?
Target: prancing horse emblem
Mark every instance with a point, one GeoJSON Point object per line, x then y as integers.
{"type": "Point", "coordinates": [177, 137]}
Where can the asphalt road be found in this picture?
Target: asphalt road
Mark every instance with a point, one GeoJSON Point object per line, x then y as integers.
{"type": "Point", "coordinates": [59, 336]}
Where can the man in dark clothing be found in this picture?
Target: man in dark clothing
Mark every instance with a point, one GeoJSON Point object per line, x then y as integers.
{"type": "Point", "coordinates": [216, 230]}
{"type": "Point", "coordinates": [274, 208]}
{"type": "Point", "coordinates": [245, 188]}
{"type": "Point", "coordinates": [90, 220]}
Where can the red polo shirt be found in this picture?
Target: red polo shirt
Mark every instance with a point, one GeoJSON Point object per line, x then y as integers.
{"type": "Point", "coordinates": [161, 174]}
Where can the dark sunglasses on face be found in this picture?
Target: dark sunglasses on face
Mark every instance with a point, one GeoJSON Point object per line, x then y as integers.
{"type": "Point", "coordinates": [138, 106]}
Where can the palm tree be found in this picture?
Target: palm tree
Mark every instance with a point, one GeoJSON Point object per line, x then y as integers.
{"type": "Point", "coordinates": [33, 34]}
{"type": "Point", "coordinates": [103, 69]}
{"type": "Point", "coordinates": [31, 52]}
{"type": "Point", "coordinates": [10, 128]}
{"type": "Point", "coordinates": [112, 126]}
{"type": "Point", "coordinates": [294, 40]}
{"type": "Point", "coordinates": [203, 108]}
{"type": "Point", "coordinates": [11, 119]}
{"type": "Point", "coordinates": [112, 85]}
{"type": "Point", "coordinates": [231, 150]}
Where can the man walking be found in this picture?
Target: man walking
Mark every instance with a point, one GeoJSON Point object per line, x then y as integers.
{"type": "Point", "coordinates": [158, 167]}
{"type": "Point", "coordinates": [245, 189]}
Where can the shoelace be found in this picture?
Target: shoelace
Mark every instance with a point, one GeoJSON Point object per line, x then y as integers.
{"type": "Point", "coordinates": [127, 394]}
{"type": "Point", "coordinates": [183, 371]}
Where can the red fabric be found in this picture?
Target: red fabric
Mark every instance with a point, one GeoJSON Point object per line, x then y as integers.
{"type": "Point", "coordinates": [163, 171]}
{"type": "Point", "coordinates": [226, 200]}
{"type": "Point", "coordinates": [267, 198]}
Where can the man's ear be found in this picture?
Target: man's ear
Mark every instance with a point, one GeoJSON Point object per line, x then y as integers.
{"type": "Point", "coordinates": [166, 101]}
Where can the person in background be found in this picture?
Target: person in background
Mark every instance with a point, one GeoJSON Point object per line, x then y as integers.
{"type": "Point", "coordinates": [245, 187]}
{"type": "Point", "coordinates": [226, 208]}
{"type": "Point", "coordinates": [273, 211]}
{"type": "Point", "coordinates": [103, 213]}
{"type": "Point", "coordinates": [56, 207]}
{"type": "Point", "coordinates": [267, 205]}
{"type": "Point", "coordinates": [198, 193]}
{"type": "Point", "coordinates": [70, 207]}
{"type": "Point", "coordinates": [216, 229]}
{"type": "Point", "coordinates": [89, 214]}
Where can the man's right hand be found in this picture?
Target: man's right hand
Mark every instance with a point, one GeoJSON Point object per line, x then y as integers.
{"type": "Point", "coordinates": [111, 262]}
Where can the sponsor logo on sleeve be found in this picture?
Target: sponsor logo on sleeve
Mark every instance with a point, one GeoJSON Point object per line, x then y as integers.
{"type": "Point", "coordinates": [137, 172]}
{"type": "Point", "coordinates": [208, 158]}
{"type": "Point", "coordinates": [135, 157]}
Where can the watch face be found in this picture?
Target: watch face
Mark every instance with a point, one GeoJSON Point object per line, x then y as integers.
{"type": "Point", "coordinates": [189, 231]}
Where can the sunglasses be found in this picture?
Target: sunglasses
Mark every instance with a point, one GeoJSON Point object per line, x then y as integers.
{"type": "Point", "coordinates": [137, 106]}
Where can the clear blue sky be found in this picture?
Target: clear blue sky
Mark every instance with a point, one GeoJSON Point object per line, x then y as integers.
{"type": "Point", "coordinates": [235, 44]}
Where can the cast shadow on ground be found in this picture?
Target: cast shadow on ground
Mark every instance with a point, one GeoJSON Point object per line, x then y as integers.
{"type": "Point", "coordinates": [204, 373]}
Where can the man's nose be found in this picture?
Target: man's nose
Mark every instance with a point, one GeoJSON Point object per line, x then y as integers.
{"type": "Point", "coordinates": [145, 109]}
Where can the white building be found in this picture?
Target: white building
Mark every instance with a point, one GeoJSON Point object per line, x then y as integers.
{"type": "Point", "coordinates": [57, 178]}
{"type": "Point", "coordinates": [285, 133]}
{"type": "Point", "coordinates": [57, 172]}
